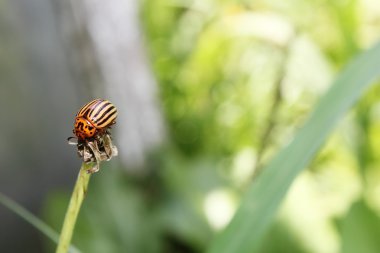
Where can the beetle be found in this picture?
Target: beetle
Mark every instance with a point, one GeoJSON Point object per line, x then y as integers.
{"type": "Point", "coordinates": [94, 118]}
{"type": "Point", "coordinates": [93, 139]}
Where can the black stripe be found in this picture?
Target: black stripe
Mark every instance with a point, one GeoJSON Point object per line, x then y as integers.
{"type": "Point", "coordinates": [105, 113]}
{"type": "Point", "coordinates": [103, 106]}
{"type": "Point", "coordinates": [86, 106]}
{"type": "Point", "coordinates": [91, 109]}
{"type": "Point", "coordinates": [107, 118]}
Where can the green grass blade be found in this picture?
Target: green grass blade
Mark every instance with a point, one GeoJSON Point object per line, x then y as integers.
{"type": "Point", "coordinates": [33, 220]}
{"type": "Point", "coordinates": [264, 196]}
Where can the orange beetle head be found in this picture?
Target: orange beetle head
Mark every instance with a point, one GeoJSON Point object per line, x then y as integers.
{"type": "Point", "coordinates": [83, 128]}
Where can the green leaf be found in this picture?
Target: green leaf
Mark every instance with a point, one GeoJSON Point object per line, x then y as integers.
{"type": "Point", "coordinates": [33, 220]}
{"type": "Point", "coordinates": [263, 198]}
{"type": "Point", "coordinates": [360, 230]}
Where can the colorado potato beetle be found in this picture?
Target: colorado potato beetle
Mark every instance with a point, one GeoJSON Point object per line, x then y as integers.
{"type": "Point", "coordinates": [93, 139]}
{"type": "Point", "coordinates": [94, 118]}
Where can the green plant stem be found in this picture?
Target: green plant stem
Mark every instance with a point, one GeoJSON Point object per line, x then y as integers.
{"type": "Point", "coordinates": [72, 212]}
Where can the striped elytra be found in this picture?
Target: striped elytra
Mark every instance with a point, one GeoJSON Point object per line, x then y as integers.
{"type": "Point", "coordinates": [93, 118]}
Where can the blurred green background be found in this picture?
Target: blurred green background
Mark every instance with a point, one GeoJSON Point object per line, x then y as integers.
{"type": "Point", "coordinates": [208, 91]}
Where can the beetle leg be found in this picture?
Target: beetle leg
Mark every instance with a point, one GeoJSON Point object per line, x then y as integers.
{"type": "Point", "coordinates": [72, 141]}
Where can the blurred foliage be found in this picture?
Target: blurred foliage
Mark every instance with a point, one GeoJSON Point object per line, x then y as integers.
{"type": "Point", "coordinates": [236, 80]}
{"type": "Point", "coordinates": [359, 229]}
{"type": "Point", "coordinates": [264, 196]}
